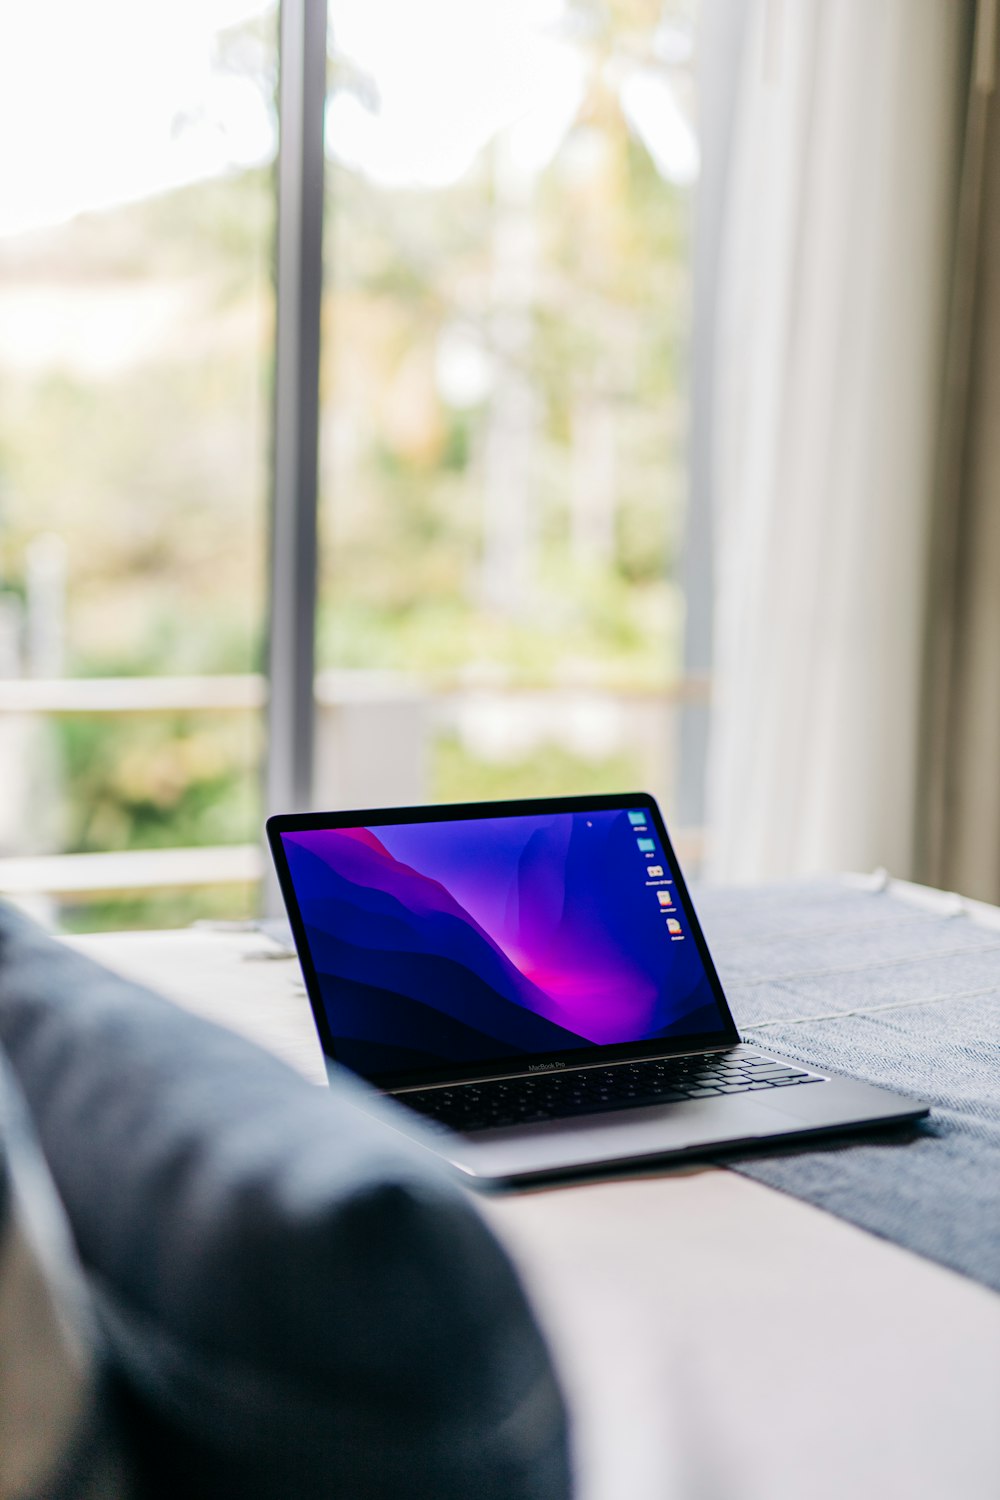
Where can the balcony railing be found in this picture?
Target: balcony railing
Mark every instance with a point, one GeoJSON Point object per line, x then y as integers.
{"type": "Point", "coordinates": [374, 733]}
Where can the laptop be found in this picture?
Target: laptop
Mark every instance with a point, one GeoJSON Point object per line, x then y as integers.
{"type": "Point", "coordinates": [529, 981]}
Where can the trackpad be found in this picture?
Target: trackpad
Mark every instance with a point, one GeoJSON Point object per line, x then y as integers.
{"type": "Point", "coordinates": [808, 1103]}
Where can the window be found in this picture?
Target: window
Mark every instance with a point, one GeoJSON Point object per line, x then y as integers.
{"type": "Point", "coordinates": [503, 423]}
{"type": "Point", "coordinates": [504, 383]}
{"type": "Point", "coordinates": [136, 231]}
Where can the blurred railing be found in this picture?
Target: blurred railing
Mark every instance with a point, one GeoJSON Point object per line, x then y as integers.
{"type": "Point", "coordinates": [131, 695]}
{"type": "Point", "coordinates": [374, 739]}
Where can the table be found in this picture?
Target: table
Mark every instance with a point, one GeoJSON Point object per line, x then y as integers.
{"type": "Point", "coordinates": [717, 1340]}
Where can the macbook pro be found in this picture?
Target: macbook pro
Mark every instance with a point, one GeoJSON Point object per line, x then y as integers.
{"type": "Point", "coordinates": [530, 982]}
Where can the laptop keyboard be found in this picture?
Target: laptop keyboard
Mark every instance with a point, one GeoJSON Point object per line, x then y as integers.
{"type": "Point", "coordinates": [586, 1091]}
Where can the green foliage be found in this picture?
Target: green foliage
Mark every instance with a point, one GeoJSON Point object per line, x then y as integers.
{"type": "Point", "coordinates": [157, 781]}
{"type": "Point", "coordinates": [162, 909]}
{"type": "Point", "coordinates": [549, 772]}
{"type": "Point", "coordinates": [614, 632]}
{"type": "Point", "coordinates": [605, 327]}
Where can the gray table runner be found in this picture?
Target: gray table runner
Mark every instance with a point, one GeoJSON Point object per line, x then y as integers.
{"type": "Point", "coordinates": [900, 987]}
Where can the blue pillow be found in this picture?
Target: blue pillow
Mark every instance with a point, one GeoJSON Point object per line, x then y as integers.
{"type": "Point", "coordinates": [300, 1302]}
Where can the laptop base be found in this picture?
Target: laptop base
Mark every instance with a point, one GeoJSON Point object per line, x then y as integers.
{"type": "Point", "coordinates": [693, 1129]}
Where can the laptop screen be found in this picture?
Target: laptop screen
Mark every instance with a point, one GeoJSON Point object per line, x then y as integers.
{"type": "Point", "coordinates": [463, 944]}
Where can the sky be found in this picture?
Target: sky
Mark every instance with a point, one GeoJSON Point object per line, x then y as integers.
{"type": "Point", "coordinates": [113, 101]}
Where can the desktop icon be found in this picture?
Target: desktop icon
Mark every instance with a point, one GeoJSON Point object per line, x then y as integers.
{"type": "Point", "coordinates": [637, 819]}
{"type": "Point", "coordinates": [646, 845]}
{"type": "Point", "coordinates": [654, 871]}
{"type": "Point", "coordinates": [673, 927]}
{"type": "Point", "coordinates": [664, 898]}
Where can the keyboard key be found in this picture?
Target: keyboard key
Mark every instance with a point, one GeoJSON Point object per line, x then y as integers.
{"type": "Point", "coordinates": [583, 1091]}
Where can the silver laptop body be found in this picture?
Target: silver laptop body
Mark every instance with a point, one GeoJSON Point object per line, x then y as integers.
{"type": "Point", "coordinates": [529, 981]}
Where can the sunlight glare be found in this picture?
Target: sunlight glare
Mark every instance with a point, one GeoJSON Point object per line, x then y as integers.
{"type": "Point", "coordinates": [448, 76]}
{"type": "Point", "coordinates": [109, 102]}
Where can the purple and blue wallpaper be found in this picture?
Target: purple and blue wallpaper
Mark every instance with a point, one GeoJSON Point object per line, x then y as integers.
{"type": "Point", "coordinates": [473, 941]}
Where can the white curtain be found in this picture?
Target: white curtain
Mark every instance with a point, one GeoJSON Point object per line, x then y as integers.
{"type": "Point", "coordinates": [836, 240]}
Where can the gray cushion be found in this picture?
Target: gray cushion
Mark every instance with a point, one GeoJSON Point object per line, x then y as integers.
{"type": "Point", "coordinates": [57, 1417]}
{"type": "Point", "coordinates": [300, 1301]}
